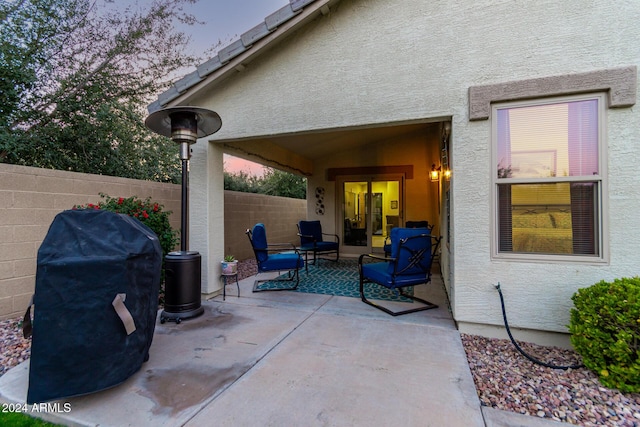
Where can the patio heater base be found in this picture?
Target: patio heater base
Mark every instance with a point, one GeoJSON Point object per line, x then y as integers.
{"type": "Point", "coordinates": [179, 317]}
{"type": "Point", "coordinates": [182, 286]}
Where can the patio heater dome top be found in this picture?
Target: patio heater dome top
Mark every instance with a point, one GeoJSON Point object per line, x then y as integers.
{"type": "Point", "coordinates": [174, 121]}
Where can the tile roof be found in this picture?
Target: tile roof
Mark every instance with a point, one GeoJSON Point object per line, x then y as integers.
{"type": "Point", "coordinates": [246, 41]}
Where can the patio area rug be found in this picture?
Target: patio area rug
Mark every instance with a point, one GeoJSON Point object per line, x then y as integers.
{"type": "Point", "coordinates": [340, 279]}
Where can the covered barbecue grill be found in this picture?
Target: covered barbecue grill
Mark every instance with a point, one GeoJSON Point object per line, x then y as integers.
{"type": "Point", "coordinates": [96, 301]}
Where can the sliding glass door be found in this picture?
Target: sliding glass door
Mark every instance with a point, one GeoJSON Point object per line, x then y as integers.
{"type": "Point", "coordinates": [371, 206]}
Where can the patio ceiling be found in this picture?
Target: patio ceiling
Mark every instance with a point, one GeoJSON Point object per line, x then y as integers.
{"type": "Point", "coordinates": [320, 144]}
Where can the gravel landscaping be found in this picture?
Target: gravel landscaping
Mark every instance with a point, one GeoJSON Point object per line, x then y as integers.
{"type": "Point", "coordinates": [508, 381]}
{"type": "Point", "coordinates": [504, 378]}
{"type": "Point", "coordinates": [13, 348]}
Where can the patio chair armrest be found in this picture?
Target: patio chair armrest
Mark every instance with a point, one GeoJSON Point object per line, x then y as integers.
{"type": "Point", "coordinates": [306, 236]}
{"type": "Point", "coordinates": [335, 236]}
{"type": "Point", "coordinates": [375, 257]}
{"type": "Point", "coordinates": [277, 247]}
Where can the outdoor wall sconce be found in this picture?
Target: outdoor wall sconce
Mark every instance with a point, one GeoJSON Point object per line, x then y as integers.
{"type": "Point", "coordinates": [184, 125]}
{"type": "Point", "coordinates": [434, 173]}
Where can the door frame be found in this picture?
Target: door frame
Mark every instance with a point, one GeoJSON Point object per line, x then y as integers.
{"type": "Point", "coordinates": [340, 180]}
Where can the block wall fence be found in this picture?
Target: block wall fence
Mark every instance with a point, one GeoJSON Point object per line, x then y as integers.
{"type": "Point", "coordinates": [30, 198]}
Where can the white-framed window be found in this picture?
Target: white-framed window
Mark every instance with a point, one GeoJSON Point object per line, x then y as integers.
{"type": "Point", "coordinates": [549, 174]}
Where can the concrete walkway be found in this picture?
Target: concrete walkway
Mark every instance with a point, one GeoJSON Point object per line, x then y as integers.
{"type": "Point", "coordinates": [292, 359]}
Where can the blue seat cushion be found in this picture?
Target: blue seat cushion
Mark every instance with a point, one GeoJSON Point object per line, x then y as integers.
{"type": "Point", "coordinates": [379, 273]}
{"type": "Point", "coordinates": [282, 261]}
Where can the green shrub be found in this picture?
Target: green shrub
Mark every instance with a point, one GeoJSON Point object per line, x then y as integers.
{"type": "Point", "coordinates": [605, 331]}
{"type": "Point", "coordinates": [147, 212]}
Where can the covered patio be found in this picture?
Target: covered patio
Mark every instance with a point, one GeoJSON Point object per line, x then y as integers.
{"type": "Point", "coordinates": [289, 358]}
{"type": "Point", "coordinates": [293, 358]}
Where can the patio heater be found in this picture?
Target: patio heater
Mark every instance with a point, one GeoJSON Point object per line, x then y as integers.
{"type": "Point", "coordinates": [184, 125]}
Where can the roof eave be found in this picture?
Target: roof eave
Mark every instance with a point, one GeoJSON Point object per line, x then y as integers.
{"type": "Point", "coordinates": [235, 57]}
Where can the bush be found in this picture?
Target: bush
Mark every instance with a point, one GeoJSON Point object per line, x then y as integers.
{"type": "Point", "coordinates": [605, 331]}
{"type": "Point", "coordinates": [147, 212]}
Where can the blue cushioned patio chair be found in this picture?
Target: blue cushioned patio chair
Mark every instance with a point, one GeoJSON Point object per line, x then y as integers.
{"type": "Point", "coordinates": [270, 257]}
{"type": "Point", "coordinates": [311, 240]}
{"type": "Point", "coordinates": [412, 252]}
{"type": "Point", "coordinates": [409, 224]}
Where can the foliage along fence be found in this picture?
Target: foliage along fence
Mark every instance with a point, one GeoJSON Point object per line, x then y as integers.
{"type": "Point", "coordinates": [31, 197]}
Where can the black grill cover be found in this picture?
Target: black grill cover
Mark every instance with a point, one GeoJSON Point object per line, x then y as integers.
{"type": "Point", "coordinates": [80, 344]}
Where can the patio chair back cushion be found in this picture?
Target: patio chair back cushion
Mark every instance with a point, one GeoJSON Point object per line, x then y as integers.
{"type": "Point", "coordinates": [411, 247]}
{"type": "Point", "coordinates": [311, 231]}
{"type": "Point", "coordinates": [423, 225]}
{"type": "Point", "coordinates": [259, 242]}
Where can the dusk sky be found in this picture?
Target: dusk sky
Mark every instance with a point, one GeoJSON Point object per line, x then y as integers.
{"type": "Point", "coordinates": [226, 20]}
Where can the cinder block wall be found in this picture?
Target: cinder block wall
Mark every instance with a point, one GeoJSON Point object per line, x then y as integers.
{"type": "Point", "coordinates": [30, 198]}
{"type": "Point", "coordinates": [243, 210]}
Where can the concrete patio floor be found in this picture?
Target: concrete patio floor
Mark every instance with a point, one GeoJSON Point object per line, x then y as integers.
{"type": "Point", "coordinates": [294, 359]}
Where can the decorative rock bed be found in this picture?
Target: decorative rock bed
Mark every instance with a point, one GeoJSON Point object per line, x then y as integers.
{"type": "Point", "coordinates": [506, 380]}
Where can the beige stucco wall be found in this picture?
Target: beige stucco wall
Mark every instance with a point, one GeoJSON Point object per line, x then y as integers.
{"type": "Point", "coordinates": [30, 198]}
{"type": "Point", "coordinates": [375, 62]}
